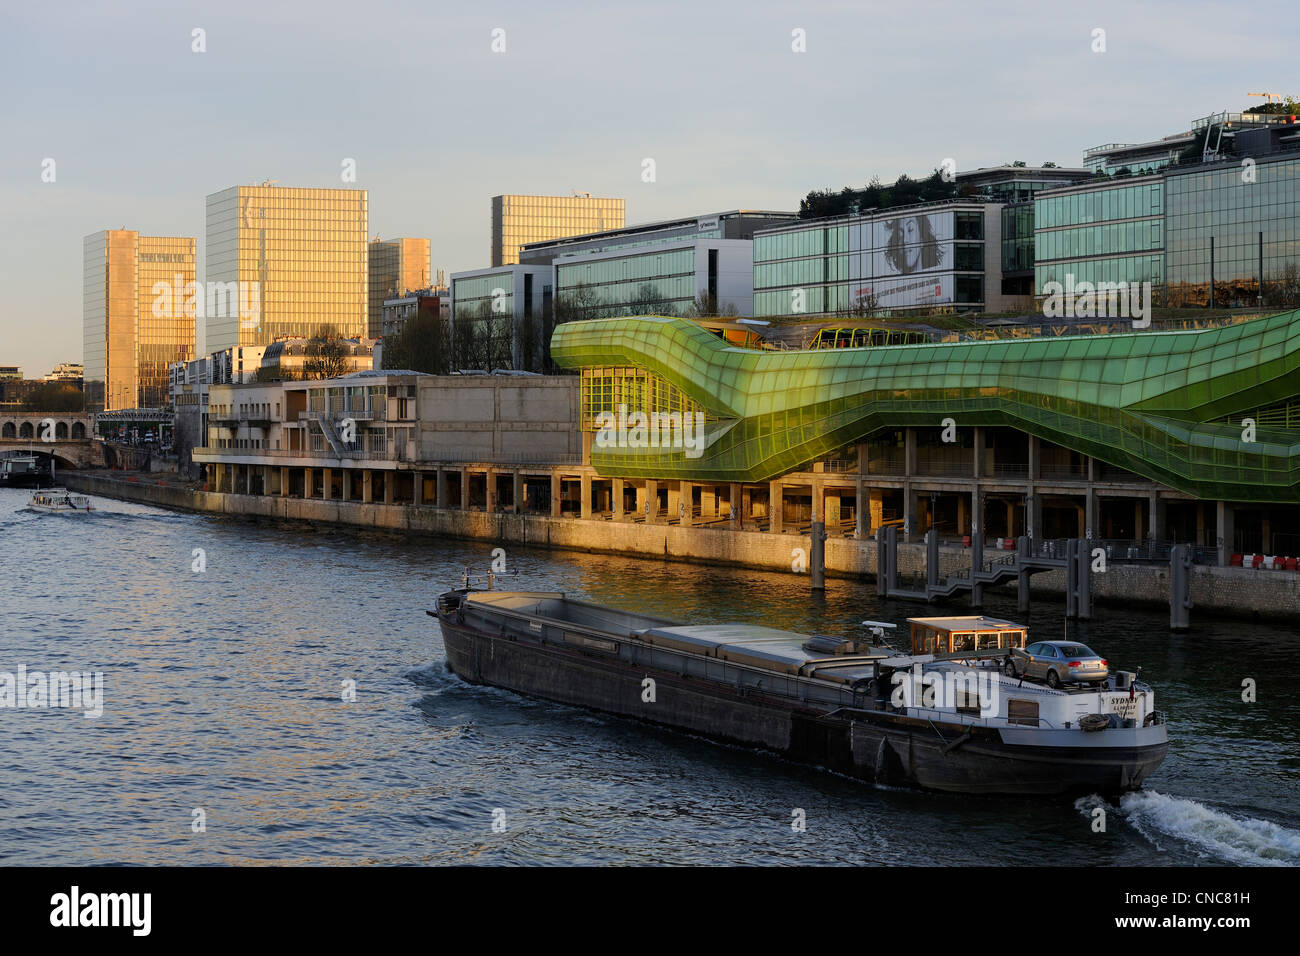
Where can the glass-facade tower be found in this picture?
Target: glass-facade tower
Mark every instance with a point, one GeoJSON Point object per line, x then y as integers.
{"type": "Point", "coordinates": [284, 261]}
{"type": "Point", "coordinates": [1232, 205]}
{"type": "Point", "coordinates": [397, 266]}
{"type": "Point", "coordinates": [1112, 232]}
{"type": "Point", "coordinates": [518, 220]}
{"type": "Point", "coordinates": [138, 312]}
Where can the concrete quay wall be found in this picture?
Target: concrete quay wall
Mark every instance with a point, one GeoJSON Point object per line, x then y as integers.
{"type": "Point", "coordinates": [1237, 592]}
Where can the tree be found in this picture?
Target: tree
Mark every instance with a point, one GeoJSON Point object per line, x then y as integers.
{"type": "Point", "coordinates": [55, 397]}
{"type": "Point", "coordinates": [706, 305]}
{"type": "Point", "coordinates": [578, 302]}
{"type": "Point", "coordinates": [326, 355]}
{"type": "Point", "coordinates": [866, 304]}
{"type": "Point", "coordinates": [1283, 290]}
{"type": "Point", "coordinates": [423, 345]}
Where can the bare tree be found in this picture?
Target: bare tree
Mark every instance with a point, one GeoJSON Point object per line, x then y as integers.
{"type": "Point", "coordinates": [326, 355]}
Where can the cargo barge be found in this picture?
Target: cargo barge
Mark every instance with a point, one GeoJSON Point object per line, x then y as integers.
{"type": "Point", "coordinates": [944, 717]}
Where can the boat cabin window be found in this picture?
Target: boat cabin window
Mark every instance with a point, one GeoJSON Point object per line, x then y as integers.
{"type": "Point", "coordinates": [1022, 712]}
{"type": "Point", "coordinates": [963, 641]}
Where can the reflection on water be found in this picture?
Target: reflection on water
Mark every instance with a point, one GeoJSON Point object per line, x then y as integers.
{"type": "Point", "coordinates": [223, 693]}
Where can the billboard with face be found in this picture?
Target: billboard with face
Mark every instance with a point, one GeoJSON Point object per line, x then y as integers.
{"type": "Point", "coordinates": [906, 260]}
{"type": "Point", "coordinates": [910, 244]}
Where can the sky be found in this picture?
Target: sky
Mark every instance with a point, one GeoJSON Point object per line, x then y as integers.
{"type": "Point", "coordinates": [142, 128]}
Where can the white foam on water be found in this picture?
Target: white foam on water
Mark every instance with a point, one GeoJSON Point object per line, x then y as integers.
{"type": "Point", "coordinates": [1247, 840]}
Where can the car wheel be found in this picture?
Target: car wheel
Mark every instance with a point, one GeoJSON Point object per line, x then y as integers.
{"type": "Point", "coordinates": [1010, 668]}
{"type": "Point", "coordinates": [1053, 680]}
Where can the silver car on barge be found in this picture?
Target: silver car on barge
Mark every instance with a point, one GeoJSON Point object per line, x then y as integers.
{"type": "Point", "coordinates": [944, 717]}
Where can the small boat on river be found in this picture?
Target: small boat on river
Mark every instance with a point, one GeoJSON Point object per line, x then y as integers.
{"type": "Point", "coordinates": [59, 501]}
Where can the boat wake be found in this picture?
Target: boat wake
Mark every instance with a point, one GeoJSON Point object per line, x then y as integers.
{"type": "Point", "coordinates": [1242, 840]}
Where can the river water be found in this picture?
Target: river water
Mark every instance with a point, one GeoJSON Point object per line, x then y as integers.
{"type": "Point", "coordinates": [225, 737]}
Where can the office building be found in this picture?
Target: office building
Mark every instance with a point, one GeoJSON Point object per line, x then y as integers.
{"type": "Point", "coordinates": [139, 308]}
{"type": "Point", "coordinates": [501, 317]}
{"type": "Point", "coordinates": [284, 261]}
{"type": "Point", "coordinates": [397, 267]}
{"type": "Point", "coordinates": [940, 256]}
{"type": "Point", "coordinates": [668, 267]}
{"type": "Point", "coordinates": [519, 220]}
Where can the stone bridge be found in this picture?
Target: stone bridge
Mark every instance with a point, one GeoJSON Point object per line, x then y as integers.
{"type": "Point", "coordinates": [46, 426]}
{"type": "Point", "coordinates": [68, 438]}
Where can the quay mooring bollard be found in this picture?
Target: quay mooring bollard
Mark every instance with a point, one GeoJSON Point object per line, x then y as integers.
{"type": "Point", "coordinates": [1180, 587]}
{"type": "Point", "coordinates": [817, 562]}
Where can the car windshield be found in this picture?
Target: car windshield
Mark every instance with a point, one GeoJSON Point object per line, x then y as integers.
{"type": "Point", "coordinates": [1077, 650]}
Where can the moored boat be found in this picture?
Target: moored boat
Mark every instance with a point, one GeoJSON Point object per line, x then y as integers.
{"type": "Point", "coordinates": [943, 717]}
{"type": "Point", "coordinates": [26, 471]}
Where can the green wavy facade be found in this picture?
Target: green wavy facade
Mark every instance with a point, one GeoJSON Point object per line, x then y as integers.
{"type": "Point", "coordinates": [1144, 401]}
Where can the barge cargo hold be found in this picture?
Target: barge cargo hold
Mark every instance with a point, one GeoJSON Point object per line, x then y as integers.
{"type": "Point", "coordinates": [868, 712]}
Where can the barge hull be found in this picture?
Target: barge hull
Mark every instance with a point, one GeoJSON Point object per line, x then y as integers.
{"type": "Point", "coordinates": [871, 746]}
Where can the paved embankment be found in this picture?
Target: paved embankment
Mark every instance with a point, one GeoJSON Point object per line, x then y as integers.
{"type": "Point", "coordinates": [1235, 591]}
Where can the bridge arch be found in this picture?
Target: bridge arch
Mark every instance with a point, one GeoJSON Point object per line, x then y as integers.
{"type": "Point", "coordinates": [25, 430]}
{"type": "Point", "coordinates": [78, 430]}
{"type": "Point", "coordinates": [8, 431]}
{"type": "Point", "coordinates": [60, 431]}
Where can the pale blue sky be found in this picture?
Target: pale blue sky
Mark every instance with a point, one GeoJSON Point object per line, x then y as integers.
{"type": "Point", "coordinates": [142, 129]}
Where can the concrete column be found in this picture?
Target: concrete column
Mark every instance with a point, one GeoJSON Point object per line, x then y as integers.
{"type": "Point", "coordinates": [308, 481]}
{"type": "Point", "coordinates": [1012, 530]}
{"type": "Point", "coordinates": [736, 502]}
{"type": "Point", "coordinates": [775, 506]}
{"type": "Point", "coordinates": [248, 479]}
{"type": "Point", "coordinates": [1034, 516]}
{"type": "Point", "coordinates": [910, 517]}
{"type": "Point", "coordinates": [1225, 530]}
{"type": "Point", "coordinates": [651, 502]}
{"type": "Point", "coordinates": [464, 489]}
{"type": "Point", "coordinates": [389, 482]}
{"type": "Point", "coordinates": [709, 501]}
{"type": "Point", "coordinates": [979, 452]}
{"type": "Point", "coordinates": [490, 501]}
{"type": "Point", "coordinates": [440, 488]}
{"type": "Point", "coordinates": [327, 491]}
{"type": "Point", "coordinates": [556, 490]}
{"type": "Point", "coordinates": [685, 496]}
{"type": "Point", "coordinates": [284, 482]}
{"type": "Point", "coordinates": [347, 484]}
{"type": "Point", "coordinates": [1157, 511]}
{"type": "Point", "coordinates": [616, 494]}
{"type": "Point", "coordinates": [266, 479]}
{"type": "Point", "coordinates": [861, 510]}
{"type": "Point", "coordinates": [818, 500]}
{"type": "Point", "coordinates": [909, 451]}
{"type": "Point", "coordinates": [367, 486]}
{"type": "Point", "coordinates": [967, 508]}
{"type": "Point", "coordinates": [1139, 521]}
{"type": "Point", "coordinates": [417, 488]}
{"type": "Point", "coordinates": [674, 500]}
{"type": "Point", "coordinates": [584, 503]}
{"type": "Point", "coordinates": [1092, 514]}
{"type": "Point", "coordinates": [1033, 458]}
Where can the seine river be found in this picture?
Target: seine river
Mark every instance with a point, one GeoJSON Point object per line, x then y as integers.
{"type": "Point", "coordinates": [225, 736]}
